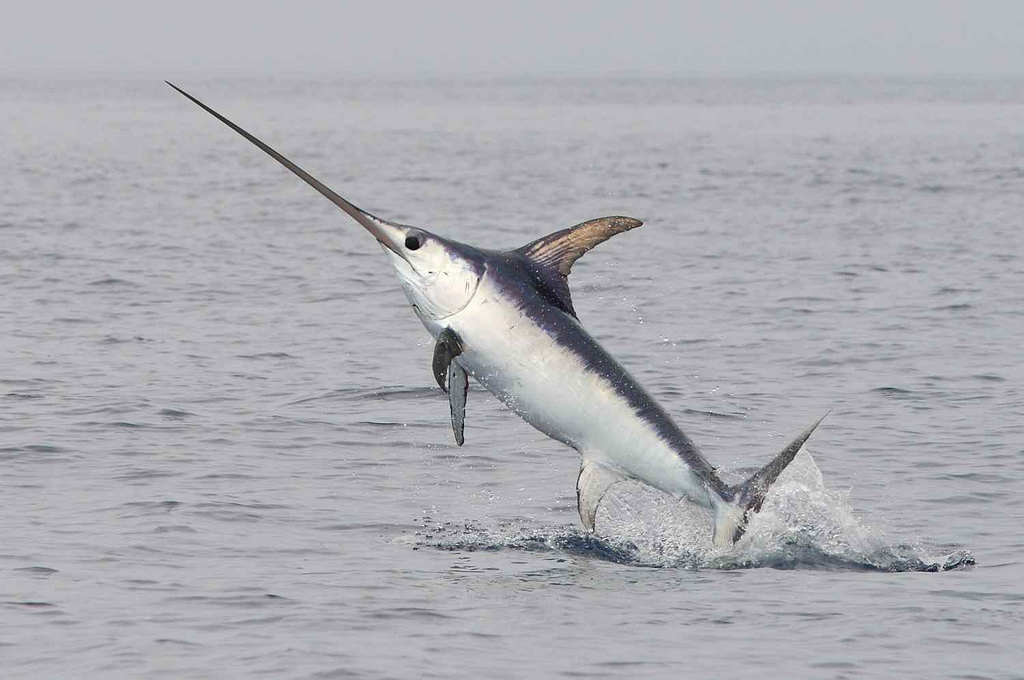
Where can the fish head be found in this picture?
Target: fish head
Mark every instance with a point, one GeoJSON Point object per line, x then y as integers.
{"type": "Point", "coordinates": [438, 275]}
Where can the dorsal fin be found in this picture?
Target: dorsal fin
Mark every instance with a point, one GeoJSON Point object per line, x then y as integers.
{"type": "Point", "coordinates": [553, 255]}
{"type": "Point", "coordinates": [562, 248]}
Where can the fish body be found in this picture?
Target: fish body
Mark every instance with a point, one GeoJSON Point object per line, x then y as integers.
{"type": "Point", "coordinates": [506, 319]}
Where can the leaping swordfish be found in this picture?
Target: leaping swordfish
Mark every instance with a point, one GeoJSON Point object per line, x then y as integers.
{"type": "Point", "coordinates": [506, 318]}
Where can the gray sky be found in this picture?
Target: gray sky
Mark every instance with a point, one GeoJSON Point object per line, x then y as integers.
{"type": "Point", "coordinates": [528, 37]}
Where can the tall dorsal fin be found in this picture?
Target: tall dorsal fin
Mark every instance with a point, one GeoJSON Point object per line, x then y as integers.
{"type": "Point", "coordinates": [562, 248]}
{"type": "Point", "coordinates": [554, 255]}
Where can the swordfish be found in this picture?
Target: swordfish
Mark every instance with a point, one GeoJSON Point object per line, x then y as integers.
{"type": "Point", "coordinates": [506, 318]}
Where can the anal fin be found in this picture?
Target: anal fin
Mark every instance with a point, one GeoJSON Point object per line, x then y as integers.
{"type": "Point", "coordinates": [594, 481]}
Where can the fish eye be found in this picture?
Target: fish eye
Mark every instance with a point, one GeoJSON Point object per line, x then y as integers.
{"type": "Point", "coordinates": [413, 242]}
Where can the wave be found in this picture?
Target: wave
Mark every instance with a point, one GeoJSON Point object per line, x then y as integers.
{"type": "Point", "coordinates": [379, 394]}
{"type": "Point", "coordinates": [802, 525]}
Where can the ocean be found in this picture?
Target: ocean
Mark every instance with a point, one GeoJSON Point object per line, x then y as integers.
{"type": "Point", "coordinates": [223, 453]}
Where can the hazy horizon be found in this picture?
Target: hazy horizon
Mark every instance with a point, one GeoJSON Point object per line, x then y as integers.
{"type": "Point", "coordinates": [525, 39]}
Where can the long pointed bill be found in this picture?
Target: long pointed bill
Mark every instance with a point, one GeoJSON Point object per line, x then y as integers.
{"type": "Point", "coordinates": [388, 234]}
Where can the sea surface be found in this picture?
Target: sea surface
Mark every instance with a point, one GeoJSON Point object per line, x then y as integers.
{"type": "Point", "coordinates": [223, 454]}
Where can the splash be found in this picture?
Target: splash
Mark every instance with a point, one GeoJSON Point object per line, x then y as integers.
{"type": "Point", "coordinates": [802, 525]}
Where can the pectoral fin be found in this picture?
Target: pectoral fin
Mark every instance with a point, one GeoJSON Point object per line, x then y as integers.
{"type": "Point", "coordinates": [447, 348]}
{"type": "Point", "coordinates": [452, 378]}
{"type": "Point", "coordinates": [594, 481]}
{"type": "Point", "coordinates": [458, 388]}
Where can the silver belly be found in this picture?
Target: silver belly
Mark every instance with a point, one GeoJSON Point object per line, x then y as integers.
{"type": "Point", "coordinates": [553, 389]}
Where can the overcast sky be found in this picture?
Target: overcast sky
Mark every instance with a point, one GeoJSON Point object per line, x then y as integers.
{"type": "Point", "coordinates": [528, 37]}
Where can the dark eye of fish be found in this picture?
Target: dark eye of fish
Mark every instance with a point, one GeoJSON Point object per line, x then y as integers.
{"type": "Point", "coordinates": [412, 242]}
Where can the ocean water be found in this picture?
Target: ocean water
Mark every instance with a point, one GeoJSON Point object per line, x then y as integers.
{"type": "Point", "coordinates": [223, 454]}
